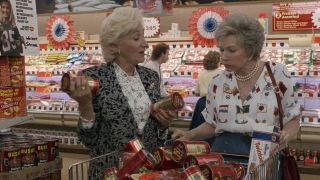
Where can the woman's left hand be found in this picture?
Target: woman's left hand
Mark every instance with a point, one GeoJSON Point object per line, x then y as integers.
{"type": "Point", "coordinates": [164, 117]}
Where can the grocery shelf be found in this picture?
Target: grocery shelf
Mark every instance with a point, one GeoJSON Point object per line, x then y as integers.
{"type": "Point", "coordinates": [80, 149]}
{"type": "Point", "coordinates": [6, 123]}
{"type": "Point", "coordinates": [309, 169]}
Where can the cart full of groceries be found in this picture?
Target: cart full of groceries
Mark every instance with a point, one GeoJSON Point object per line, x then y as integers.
{"type": "Point", "coordinates": [182, 160]}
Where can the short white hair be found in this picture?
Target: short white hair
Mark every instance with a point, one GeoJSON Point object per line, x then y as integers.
{"type": "Point", "coordinates": [121, 22]}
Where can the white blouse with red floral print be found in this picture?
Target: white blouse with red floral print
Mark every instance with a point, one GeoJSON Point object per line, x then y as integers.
{"type": "Point", "coordinates": [225, 111]}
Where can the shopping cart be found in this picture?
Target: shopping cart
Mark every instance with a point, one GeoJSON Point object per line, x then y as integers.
{"type": "Point", "coordinates": [268, 170]}
{"type": "Point", "coordinates": [80, 170]}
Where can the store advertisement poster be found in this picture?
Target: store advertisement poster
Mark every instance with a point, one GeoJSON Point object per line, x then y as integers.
{"type": "Point", "coordinates": [155, 7]}
{"type": "Point", "coordinates": [18, 28]}
{"type": "Point", "coordinates": [296, 16]}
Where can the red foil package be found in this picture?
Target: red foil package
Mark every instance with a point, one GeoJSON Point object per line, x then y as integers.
{"type": "Point", "coordinates": [173, 102]}
{"type": "Point", "coordinates": [212, 171]}
{"type": "Point", "coordinates": [192, 173]}
{"type": "Point", "coordinates": [133, 146]}
{"type": "Point", "coordinates": [136, 162]}
{"type": "Point", "coordinates": [164, 159]}
{"type": "Point", "coordinates": [181, 149]}
{"type": "Point", "coordinates": [200, 159]}
{"type": "Point", "coordinates": [110, 174]}
{"type": "Point", "coordinates": [68, 77]}
{"type": "Point", "coordinates": [240, 170]}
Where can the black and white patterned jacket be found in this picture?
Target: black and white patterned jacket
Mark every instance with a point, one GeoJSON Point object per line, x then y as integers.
{"type": "Point", "coordinates": [114, 124]}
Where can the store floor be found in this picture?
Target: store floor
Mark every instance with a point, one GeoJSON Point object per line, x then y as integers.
{"type": "Point", "coordinates": [71, 158]}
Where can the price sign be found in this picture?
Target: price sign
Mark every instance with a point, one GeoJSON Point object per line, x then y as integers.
{"type": "Point", "coordinates": [151, 26]}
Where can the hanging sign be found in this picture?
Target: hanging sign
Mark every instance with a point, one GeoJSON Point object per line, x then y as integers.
{"type": "Point", "coordinates": [296, 16]}
{"type": "Point", "coordinates": [18, 28]}
{"type": "Point", "coordinates": [151, 26]}
{"type": "Point", "coordinates": [203, 24]}
{"type": "Point", "coordinates": [60, 31]}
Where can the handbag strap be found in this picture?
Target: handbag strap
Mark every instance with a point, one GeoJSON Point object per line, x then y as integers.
{"type": "Point", "coordinates": [277, 92]}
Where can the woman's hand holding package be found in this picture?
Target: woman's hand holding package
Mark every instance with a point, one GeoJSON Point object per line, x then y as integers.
{"type": "Point", "coordinates": [80, 91]}
{"type": "Point", "coordinates": [164, 117]}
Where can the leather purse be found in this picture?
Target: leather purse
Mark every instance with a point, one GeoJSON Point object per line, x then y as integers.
{"type": "Point", "coordinates": [290, 169]}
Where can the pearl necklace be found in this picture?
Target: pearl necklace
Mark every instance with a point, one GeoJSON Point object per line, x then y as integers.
{"type": "Point", "coordinates": [248, 76]}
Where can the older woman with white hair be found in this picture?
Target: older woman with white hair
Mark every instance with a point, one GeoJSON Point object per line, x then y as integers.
{"type": "Point", "coordinates": [120, 110]}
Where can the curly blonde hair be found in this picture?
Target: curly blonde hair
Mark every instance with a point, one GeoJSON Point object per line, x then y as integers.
{"type": "Point", "coordinates": [247, 29]}
{"type": "Point", "coordinates": [122, 21]}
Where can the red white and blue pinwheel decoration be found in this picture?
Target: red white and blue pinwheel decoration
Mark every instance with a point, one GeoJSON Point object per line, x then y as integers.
{"type": "Point", "coordinates": [59, 31]}
{"type": "Point", "coordinates": [203, 24]}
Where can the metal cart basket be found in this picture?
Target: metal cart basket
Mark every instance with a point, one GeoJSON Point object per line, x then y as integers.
{"type": "Point", "coordinates": [268, 170]}
{"type": "Point", "coordinates": [80, 170]}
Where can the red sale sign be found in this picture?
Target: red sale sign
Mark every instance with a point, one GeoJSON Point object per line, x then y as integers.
{"type": "Point", "coordinates": [296, 16]}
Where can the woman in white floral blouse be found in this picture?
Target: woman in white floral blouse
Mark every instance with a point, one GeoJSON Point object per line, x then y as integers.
{"type": "Point", "coordinates": [243, 94]}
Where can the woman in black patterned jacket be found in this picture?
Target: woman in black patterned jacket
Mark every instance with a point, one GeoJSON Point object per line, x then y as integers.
{"type": "Point", "coordinates": [120, 110]}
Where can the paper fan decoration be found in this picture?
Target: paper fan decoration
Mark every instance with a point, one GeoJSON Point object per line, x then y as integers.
{"type": "Point", "coordinates": [316, 18]}
{"type": "Point", "coordinates": [59, 31]}
{"type": "Point", "coordinates": [203, 24]}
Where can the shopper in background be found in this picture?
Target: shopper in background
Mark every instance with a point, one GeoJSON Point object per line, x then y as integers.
{"type": "Point", "coordinates": [242, 95]}
{"type": "Point", "coordinates": [10, 40]}
{"type": "Point", "coordinates": [120, 111]}
{"type": "Point", "coordinates": [211, 62]}
{"type": "Point", "coordinates": [159, 55]}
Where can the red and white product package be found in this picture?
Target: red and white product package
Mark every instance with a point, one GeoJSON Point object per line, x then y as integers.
{"type": "Point", "coordinates": [265, 142]}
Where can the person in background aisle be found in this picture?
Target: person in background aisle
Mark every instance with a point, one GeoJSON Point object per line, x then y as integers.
{"type": "Point", "coordinates": [10, 39]}
{"type": "Point", "coordinates": [243, 95]}
{"type": "Point", "coordinates": [120, 110]}
{"type": "Point", "coordinates": [159, 55]}
{"type": "Point", "coordinates": [211, 63]}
